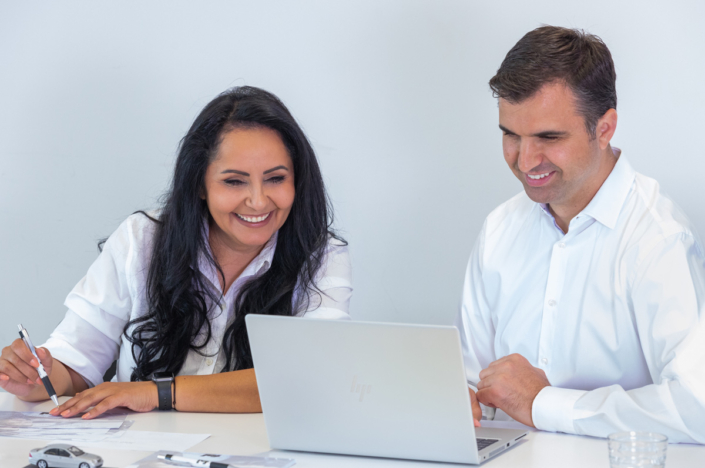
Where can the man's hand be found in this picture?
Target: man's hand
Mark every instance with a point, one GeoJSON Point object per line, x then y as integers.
{"type": "Point", "coordinates": [511, 384]}
{"type": "Point", "coordinates": [476, 410]}
{"type": "Point", "coordinates": [137, 396]}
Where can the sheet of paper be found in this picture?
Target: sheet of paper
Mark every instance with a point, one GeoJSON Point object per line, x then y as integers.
{"type": "Point", "coordinates": [146, 441]}
{"type": "Point", "coordinates": [153, 460]}
{"type": "Point", "coordinates": [44, 426]}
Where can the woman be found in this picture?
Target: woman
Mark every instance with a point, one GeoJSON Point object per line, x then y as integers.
{"type": "Point", "coordinates": [245, 228]}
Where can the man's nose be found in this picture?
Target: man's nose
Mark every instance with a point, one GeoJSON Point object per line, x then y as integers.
{"type": "Point", "coordinates": [529, 156]}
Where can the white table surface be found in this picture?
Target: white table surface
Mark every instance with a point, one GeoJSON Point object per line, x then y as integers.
{"type": "Point", "coordinates": [245, 434]}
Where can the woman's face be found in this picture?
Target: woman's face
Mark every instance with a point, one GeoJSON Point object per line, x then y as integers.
{"type": "Point", "coordinates": [249, 187]}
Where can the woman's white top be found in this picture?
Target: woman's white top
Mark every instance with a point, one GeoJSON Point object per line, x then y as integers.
{"type": "Point", "coordinates": [113, 292]}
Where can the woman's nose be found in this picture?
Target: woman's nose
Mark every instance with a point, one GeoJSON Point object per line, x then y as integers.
{"type": "Point", "coordinates": [257, 199]}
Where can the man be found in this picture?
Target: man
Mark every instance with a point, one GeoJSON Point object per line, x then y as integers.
{"type": "Point", "coordinates": [582, 301]}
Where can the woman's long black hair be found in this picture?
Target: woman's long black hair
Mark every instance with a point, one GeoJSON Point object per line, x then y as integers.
{"type": "Point", "coordinates": [178, 295]}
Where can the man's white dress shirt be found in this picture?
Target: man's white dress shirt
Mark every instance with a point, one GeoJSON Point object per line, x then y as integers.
{"type": "Point", "coordinates": [113, 292]}
{"type": "Point", "coordinates": [611, 311]}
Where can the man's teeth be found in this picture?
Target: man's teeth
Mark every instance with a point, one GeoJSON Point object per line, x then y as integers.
{"type": "Point", "coordinates": [253, 219]}
{"type": "Point", "coordinates": [539, 176]}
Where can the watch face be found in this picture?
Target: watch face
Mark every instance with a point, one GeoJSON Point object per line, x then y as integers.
{"type": "Point", "coordinates": [162, 376]}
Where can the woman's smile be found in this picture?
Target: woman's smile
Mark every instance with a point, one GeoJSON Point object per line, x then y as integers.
{"type": "Point", "coordinates": [253, 220]}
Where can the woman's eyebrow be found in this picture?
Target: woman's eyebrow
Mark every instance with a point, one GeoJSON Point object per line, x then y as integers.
{"type": "Point", "coordinates": [275, 168]}
{"type": "Point", "coordinates": [233, 171]}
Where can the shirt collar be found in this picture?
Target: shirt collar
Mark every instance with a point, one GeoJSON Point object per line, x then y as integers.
{"type": "Point", "coordinates": [607, 203]}
{"type": "Point", "coordinates": [258, 265]}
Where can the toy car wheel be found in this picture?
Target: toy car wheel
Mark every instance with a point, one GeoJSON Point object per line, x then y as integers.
{"type": "Point", "coordinates": [83, 465]}
{"type": "Point", "coordinates": [42, 464]}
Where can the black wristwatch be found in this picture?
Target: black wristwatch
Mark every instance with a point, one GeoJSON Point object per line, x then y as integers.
{"type": "Point", "coordinates": [164, 381]}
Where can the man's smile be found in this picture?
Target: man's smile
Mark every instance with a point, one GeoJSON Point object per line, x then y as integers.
{"type": "Point", "coordinates": [538, 180]}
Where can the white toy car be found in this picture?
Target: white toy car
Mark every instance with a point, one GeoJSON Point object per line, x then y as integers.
{"type": "Point", "coordinates": [63, 456]}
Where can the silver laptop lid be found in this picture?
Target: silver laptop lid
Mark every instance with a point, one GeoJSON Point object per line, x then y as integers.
{"type": "Point", "coordinates": [363, 388]}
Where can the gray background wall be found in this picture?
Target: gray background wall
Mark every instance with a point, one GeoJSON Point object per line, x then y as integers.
{"type": "Point", "coordinates": [94, 97]}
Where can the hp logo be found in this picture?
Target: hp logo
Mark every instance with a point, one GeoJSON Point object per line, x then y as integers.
{"type": "Point", "coordinates": [362, 389]}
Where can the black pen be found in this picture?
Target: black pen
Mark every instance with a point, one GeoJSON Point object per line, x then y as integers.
{"type": "Point", "coordinates": [42, 373]}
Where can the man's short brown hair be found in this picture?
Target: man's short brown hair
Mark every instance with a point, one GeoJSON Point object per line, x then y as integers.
{"type": "Point", "coordinates": [553, 54]}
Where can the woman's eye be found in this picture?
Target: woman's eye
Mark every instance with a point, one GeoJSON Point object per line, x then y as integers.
{"type": "Point", "coordinates": [234, 182]}
{"type": "Point", "coordinates": [276, 179]}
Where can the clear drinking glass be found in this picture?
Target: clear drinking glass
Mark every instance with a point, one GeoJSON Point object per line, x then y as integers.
{"type": "Point", "coordinates": [637, 449]}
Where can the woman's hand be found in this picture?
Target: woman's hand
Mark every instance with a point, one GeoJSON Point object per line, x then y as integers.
{"type": "Point", "coordinates": [137, 396]}
{"type": "Point", "coordinates": [18, 369]}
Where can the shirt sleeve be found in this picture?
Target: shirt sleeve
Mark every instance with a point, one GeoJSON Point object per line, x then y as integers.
{"type": "Point", "coordinates": [331, 300]}
{"type": "Point", "coordinates": [474, 320]}
{"type": "Point", "coordinates": [88, 338]}
{"type": "Point", "coordinates": [667, 294]}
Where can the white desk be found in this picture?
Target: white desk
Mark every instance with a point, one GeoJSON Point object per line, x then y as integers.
{"type": "Point", "coordinates": [246, 435]}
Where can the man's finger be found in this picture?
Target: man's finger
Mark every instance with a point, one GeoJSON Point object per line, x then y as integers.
{"type": "Point", "coordinates": [487, 398]}
{"type": "Point", "coordinates": [484, 373]}
{"type": "Point", "coordinates": [475, 405]}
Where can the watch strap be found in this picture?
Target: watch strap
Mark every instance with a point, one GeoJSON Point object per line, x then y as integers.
{"type": "Point", "coordinates": [164, 393]}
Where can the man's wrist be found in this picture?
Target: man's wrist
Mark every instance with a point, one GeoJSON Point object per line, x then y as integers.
{"type": "Point", "coordinates": [552, 409]}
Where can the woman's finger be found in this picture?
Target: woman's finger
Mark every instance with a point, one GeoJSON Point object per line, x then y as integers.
{"type": "Point", "coordinates": [68, 408]}
{"type": "Point", "coordinates": [8, 368]}
{"type": "Point", "coordinates": [28, 371]}
{"type": "Point", "coordinates": [108, 403]}
{"type": "Point", "coordinates": [20, 349]}
{"type": "Point", "coordinates": [46, 358]}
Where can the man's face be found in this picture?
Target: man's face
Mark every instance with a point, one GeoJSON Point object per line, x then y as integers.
{"type": "Point", "coordinates": [547, 146]}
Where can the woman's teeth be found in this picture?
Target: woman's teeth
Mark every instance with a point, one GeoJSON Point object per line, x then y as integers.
{"type": "Point", "coordinates": [538, 176]}
{"type": "Point", "coordinates": [253, 219]}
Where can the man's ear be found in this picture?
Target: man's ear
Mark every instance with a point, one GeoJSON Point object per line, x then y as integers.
{"type": "Point", "coordinates": [605, 128]}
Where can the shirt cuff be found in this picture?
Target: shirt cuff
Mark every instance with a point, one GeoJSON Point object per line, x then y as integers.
{"type": "Point", "coordinates": [553, 409]}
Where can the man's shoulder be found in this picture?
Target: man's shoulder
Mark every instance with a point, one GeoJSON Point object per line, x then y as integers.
{"type": "Point", "coordinates": [656, 211]}
{"type": "Point", "coordinates": [513, 212]}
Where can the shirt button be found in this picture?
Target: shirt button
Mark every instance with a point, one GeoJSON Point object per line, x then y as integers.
{"type": "Point", "coordinates": [562, 245]}
{"type": "Point", "coordinates": [551, 303]}
{"type": "Point", "coordinates": [544, 361]}
{"type": "Point", "coordinates": [209, 362]}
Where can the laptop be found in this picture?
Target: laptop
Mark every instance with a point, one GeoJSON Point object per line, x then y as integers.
{"type": "Point", "coordinates": [368, 388]}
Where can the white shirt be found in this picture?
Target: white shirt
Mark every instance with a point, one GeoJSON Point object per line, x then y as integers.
{"type": "Point", "coordinates": [610, 311]}
{"type": "Point", "coordinates": [113, 292]}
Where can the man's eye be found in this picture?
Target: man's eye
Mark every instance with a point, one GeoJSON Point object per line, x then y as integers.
{"type": "Point", "coordinates": [276, 179]}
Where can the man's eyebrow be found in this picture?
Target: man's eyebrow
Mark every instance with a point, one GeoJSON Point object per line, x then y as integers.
{"type": "Point", "coordinates": [549, 133]}
{"type": "Point", "coordinates": [506, 130]}
{"type": "Point", "coordinates": [275, 168]}
{"type": "Point", "coordinates": [233, 171]}
{"type": "Point", "coordinates": [544, 134]}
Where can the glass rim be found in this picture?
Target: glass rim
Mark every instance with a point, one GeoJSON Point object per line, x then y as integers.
{"type": "Point", "coordinates": [637, 436]}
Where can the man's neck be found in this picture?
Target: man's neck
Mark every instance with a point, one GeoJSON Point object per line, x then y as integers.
{"type": "Point", "coordinates": [565, 212]}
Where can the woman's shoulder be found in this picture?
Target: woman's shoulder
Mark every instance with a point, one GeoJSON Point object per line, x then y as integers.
{"type": "Point", "coordinates": [337, 257]}
{"type": "Point", "coordinates": [135, 233]}
{"type": "Point", "coordinates": [336, 245]}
